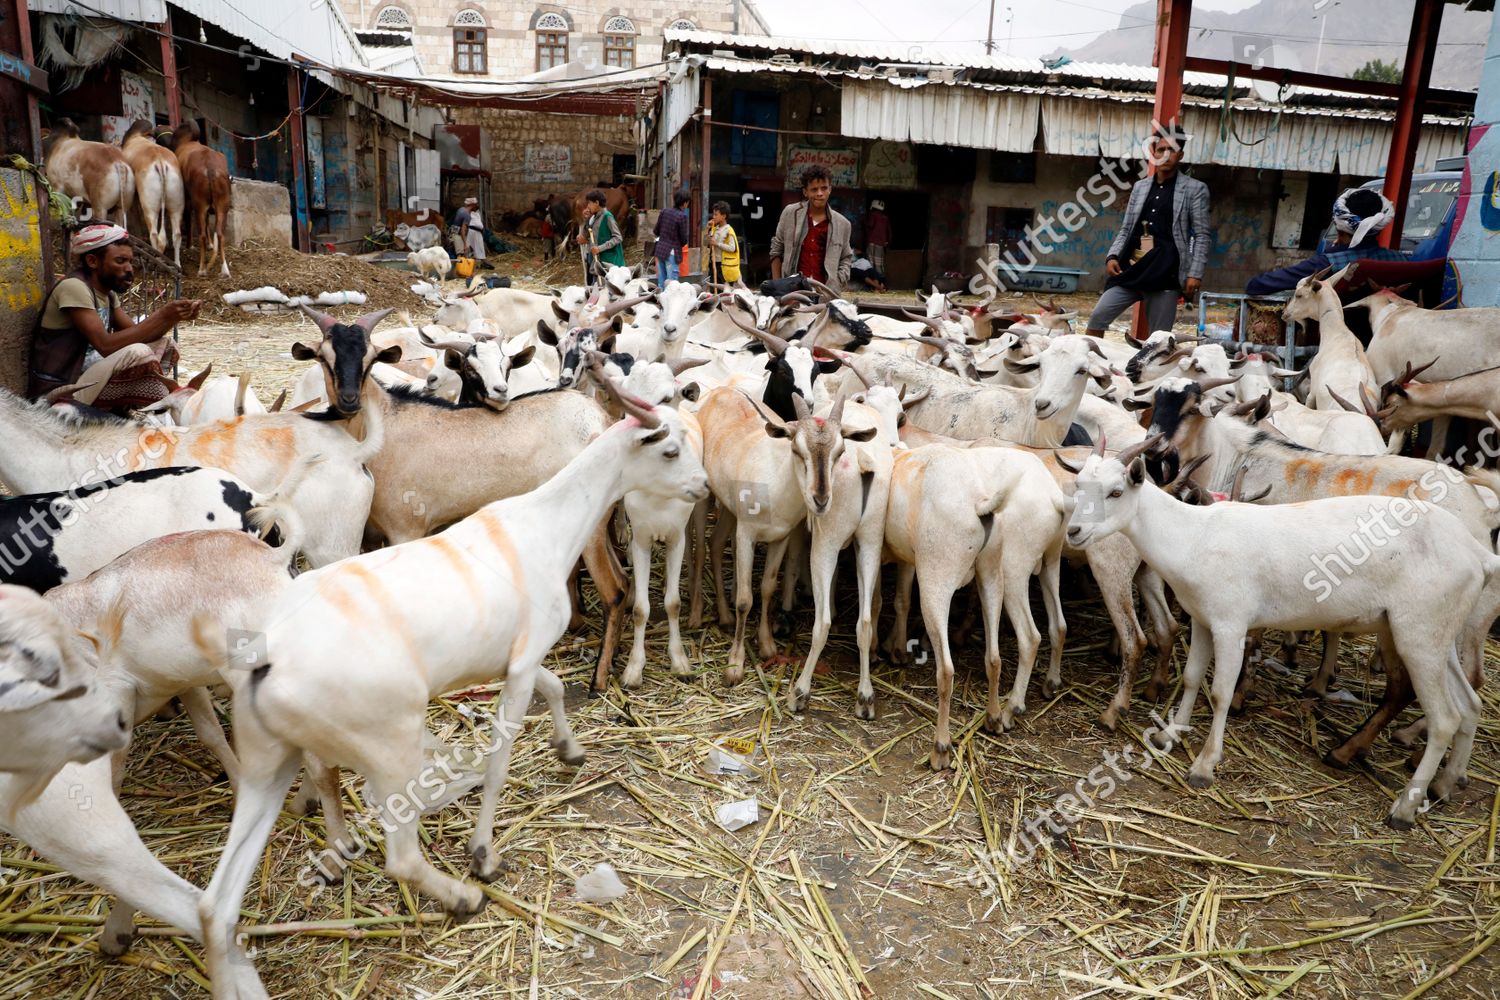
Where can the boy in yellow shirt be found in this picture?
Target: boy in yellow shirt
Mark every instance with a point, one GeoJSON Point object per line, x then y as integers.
{"type": "Point", "coordinates": [726, 245]}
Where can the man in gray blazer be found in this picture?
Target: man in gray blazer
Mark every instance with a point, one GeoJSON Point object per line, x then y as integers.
{"type": "Point", "coordinates": [811, 238]}
{"type": "Point", "coordinates": [1162, 246]}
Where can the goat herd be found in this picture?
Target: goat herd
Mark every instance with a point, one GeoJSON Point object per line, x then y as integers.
{"type": "Point", "coordinates": [443, 484]}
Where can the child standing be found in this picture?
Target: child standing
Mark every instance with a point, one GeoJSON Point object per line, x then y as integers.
{"type": "Point", "coordinates": [726, 245]}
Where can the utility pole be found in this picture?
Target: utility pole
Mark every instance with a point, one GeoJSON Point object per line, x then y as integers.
{"type": "Point", "coordinates": [989, 35]}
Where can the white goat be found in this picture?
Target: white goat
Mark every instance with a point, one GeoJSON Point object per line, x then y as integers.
{"type": "Point", "coordinates": [1415, 606]}
{"type": "Point", "coordinates": [1340, 368]}
{"type": "Point", "coordinates": [355, 653]}
{"type": "Point", "coordinates": [434, 261]}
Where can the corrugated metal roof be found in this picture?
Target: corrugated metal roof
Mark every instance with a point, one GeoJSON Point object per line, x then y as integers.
{"type": "Point", "coordinates": [893, 52]}
{"type": "Point", "coordinates": [320, 30]}
{"type": "Point", "coordinates": [143, 11]}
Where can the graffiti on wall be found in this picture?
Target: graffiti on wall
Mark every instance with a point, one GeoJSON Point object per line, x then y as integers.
{"type": "Point", "coordinates": [549, 164]}
{"type": "Point", "coordinates": [1237, 234]}
{"type": "Point", "coordinates": [20, 241]}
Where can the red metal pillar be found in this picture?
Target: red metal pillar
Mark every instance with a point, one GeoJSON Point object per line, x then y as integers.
{"type": "Point", "coordinates": [1407, 130]}
{"type": "Point", "coordinates": [1173, 18]}
{"type": "Point", "coordinates": [169, 72]}
{"type": "Point", "coordinates": [301, 221]}
{"type": "Point", "coordinates": [1170, 56]}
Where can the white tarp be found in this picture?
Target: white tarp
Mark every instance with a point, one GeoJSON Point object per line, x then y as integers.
{"type": "Point", "coordinates": [941, 114]}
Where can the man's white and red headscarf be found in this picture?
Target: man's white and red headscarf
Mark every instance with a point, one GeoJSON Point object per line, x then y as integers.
{"type": "Point", "coordinates": [96, 237]}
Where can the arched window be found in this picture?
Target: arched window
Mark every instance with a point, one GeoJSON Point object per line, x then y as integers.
{"type": "Point", "coordinates": [682, 24]}
{"type": "Point", "coordinates": [619, 42]}
{"type": "Point", "coordinates": [469, 42]}
{"type": "Point", "coordinates": [393, 19]}
{"type": "Point", "coordinates": [551, 40]}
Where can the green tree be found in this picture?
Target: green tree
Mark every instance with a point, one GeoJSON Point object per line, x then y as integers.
{"type": "Point", "coordinates": [1378, 71]}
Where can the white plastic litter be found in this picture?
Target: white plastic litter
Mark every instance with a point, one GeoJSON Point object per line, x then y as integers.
{"type": "Point", "coordinates": [340, 299]}
{"type": "Point", "coordinates": [600, 885]}
{"type": "Point", "coordinates": [734, 816]}
{"type": "Point", "coordinates": [733, 756]}
{"type": "Point", "coordinates": [264, 294]}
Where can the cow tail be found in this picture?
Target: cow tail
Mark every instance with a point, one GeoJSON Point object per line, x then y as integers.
{"type": "Point", "coordinates": [127, 188]}
{"type": "Point", "coordinates": [161, 221]}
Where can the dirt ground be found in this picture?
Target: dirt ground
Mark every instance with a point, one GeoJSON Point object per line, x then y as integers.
{"type": "Point", "coordinates": [866, 874]}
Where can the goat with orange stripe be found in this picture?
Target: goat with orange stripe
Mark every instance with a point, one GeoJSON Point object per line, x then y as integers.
{"type": "Point", "coordinates": [354, 652]}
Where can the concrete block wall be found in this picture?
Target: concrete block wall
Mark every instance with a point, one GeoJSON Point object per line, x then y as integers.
{"type": "Point", "coordinates": [592, 141]}
{"type": "Point", "coordinates": [261, 211]}
{"type": "Point", "coordinates": [21, 274]}
{"type": "Point", "coordinates": [511, 40]}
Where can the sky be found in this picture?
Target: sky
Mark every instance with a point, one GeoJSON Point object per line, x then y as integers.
{"type": "Point", "coordinates": [1026, 27]}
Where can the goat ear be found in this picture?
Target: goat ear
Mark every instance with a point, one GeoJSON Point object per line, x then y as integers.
{"type": "Point", "coordinates": [558, 311]}
{"type": "Point", "coordinates": [691, 392]}
{"type": "Point", "coordinates": [707, 304]}
{"type": "Point", "coordinates": [302, 352]}
{"type": "Point", "coordinates": [829, 367]}
{"type": "Point", "coordinates": [1137, 472]}
{"type": "Point", "coordinates": [777, 430]}
{"type": "Point", "coordinates": [1134, 342]}
{"type": "Point", "coordinates": [390, 355]}
{"type": "Point", "coordinates": [1136, 404]}
{"type": "Point", "coordinates": [868, 434]}
{"type": "Point", "coordinates": [522, 357]}
{"type": "Point", "coordinates": [544, 333]}
{"type": "Point", "coordinates": [1103, 381]}
{"type": "Point", "coordinates": [453, 359]}
{"type": "Point", "coordinates": [618, 323]}
{"type": "Point", "coordinates": [607, 345]}
{"type": "Point", "coordinates": [901, 420]}
{"type": "Point", "coordinates": [655, 435]}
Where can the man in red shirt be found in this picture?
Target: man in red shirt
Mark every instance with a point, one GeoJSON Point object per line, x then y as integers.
{"type": "Point", "coordinates": [812, 238]}
{"type": "Point", "coordinates": [877, 234]}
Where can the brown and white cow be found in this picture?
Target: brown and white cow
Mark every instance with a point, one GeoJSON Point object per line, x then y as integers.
{"type": "Point", "coordinates": [93, 172]}
{"type": "Point", "coordinates": [160, 195]}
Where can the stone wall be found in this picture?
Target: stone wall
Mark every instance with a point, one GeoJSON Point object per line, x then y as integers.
{"type": "Point", "coordinates": [261, 211]}
{"type": "Point", "coordinates": [535, 154]}
{"type": "Point", "coordinates": [20, 273]}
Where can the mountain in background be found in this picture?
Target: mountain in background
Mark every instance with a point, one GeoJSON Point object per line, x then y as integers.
{"type": "Point", "coordinates": [1357, 31]}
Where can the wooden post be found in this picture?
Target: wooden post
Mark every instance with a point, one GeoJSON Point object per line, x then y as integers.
{"type": "Point", "coordinates": [169, 72]}
{"type": "Point", "coordinates": [1406, 132]}
{"type": "Point", "coordinates": [21, 82]}
{"type": "Point", "coordinates": [707, 122]}
{"type": "Point", "coordinates": [301, 223]}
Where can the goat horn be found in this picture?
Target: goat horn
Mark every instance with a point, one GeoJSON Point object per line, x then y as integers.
{"type": "Point", "coordinates": [280, 402]}
{"type": "Point", "coordinates": [938, 342]}
{"type": "Point", "coordinates": [829, 354]}
{"type": "Point", "coordinates": [638, 408]}
{"type": "Point", "coordinates": [368, 320]}
{"type": "Point", "coordinates": [1412, 373]}
{"type": "Point", "coordinates": [1094, 346]}
{"type": "Point", "coordinates": [914, 398]}
{"type": "Point", "coordinates": [835, 415]}
{"type": "Point", "coordinates": [1136, 450]}
{"type": "Point", "coordinates": [325, 322]}
{"type": "Point", "coordinates": [680, 365]}
{"type": "Point", "coordinates": [860, 375]}
{"type": "Point", "coordinates": [794, 297]}
{"type": "Point", "coordinates": [1345, 403]}
{"type": "Point", "coordinates": [799, 405]}
{"type": "Point", "coordinates": [444, 345]}
{"type": "Point", "coordinates": [1322, 274]}
{"type": "Point", "coordinates": [196, 382]}
{"type": "Point", "coordinates": [1060, 460]}
{"type": "Point", "coordinates": [773, 343]}
{"type": "Point", "coordinates": [828, 294]}
{"type": "Point", "coordinates": [615, 308]}
{"type": "Point", "coordinates": [1368, 400]}
{"type": "Point", "coordinates": [1215, 383]}
{"type": "Point", "coordinates": [1237, 488]}
{"type": "Point", "coordinates": [1099, 448]}
{"type": "Point", "coordinates": [1186, 472]}
{"type": "Point", "coordinates": [769, 418]}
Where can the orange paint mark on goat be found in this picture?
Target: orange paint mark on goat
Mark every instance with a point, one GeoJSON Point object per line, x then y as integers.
{"type": "Point", "coordinates": [458, 563]}
{"type": "Point", "coordinates": [379, 598]}
{"type": "Point", "coordinates": [1353, 482]}
{"type": "Point", "coordinates": [1303, 466]}
{"type": "Point", "coordinates": [501, 540]}
{"type": "Point", "coordinates": [1400, 488]}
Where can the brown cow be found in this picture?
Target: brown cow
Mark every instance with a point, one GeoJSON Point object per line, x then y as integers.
{"type": "Point", "coordinates": [616, 199]}
{"type": "Point", "coordinates": [205, 175]}
{"type": "Point", "coordinates": [158, 185]}
{"type": "Point", "coordinates": [93, 172]}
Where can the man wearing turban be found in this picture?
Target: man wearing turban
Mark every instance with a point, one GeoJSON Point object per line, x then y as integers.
{"type": "Point", "coordinates": [86, 348]}
{"type": "Point", "coordinates": [1359, 215]}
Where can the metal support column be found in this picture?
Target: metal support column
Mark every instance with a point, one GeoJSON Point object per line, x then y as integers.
{"type": "Point", "coordinates": [169, 72]}
{"type": "Point", "coordinates": [1421, 47]}
{"type": "Point", "coordinates": [700, 213]}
